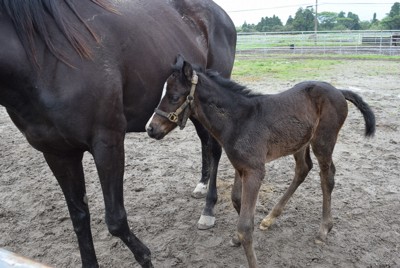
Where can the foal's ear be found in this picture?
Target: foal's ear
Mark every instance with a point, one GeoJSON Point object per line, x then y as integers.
{"type": "Point", "coordinates": [179, 61]}
{"type": "Point", "coordinates": [187, 70]}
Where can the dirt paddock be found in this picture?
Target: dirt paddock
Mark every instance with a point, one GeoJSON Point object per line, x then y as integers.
{"type": "Point", "coordinates": [160, 176]}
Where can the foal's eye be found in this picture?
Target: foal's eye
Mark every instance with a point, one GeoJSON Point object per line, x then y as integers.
{"type": "Point", "coordinates": [173, 98]}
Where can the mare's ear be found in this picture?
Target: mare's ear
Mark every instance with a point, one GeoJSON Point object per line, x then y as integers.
{"type": "Point", "coordinates": [187, 70]}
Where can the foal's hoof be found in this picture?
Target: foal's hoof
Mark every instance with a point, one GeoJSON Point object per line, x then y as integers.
{"type": "Point", "coordinates": [200, 191]}
{"type": "Point", "coordinates": [266, 223]}
{"type": "Point", "coordinates": [206, 222]}
{"type": "Point", "coordinates": [235, 242]}
{"type": "Point", "coordinates": [320, 239]}
{"type": "Point", "coordinates": [323, 232]}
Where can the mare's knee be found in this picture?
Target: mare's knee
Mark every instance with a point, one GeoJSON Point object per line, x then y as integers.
{"type": "Point", "coordinates": [117, 226]}
{"type": "Point", "coordinates": [80, 221]}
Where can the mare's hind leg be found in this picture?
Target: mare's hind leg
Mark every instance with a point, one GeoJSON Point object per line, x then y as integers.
{"type": "Point", "coordinates": [303, 166]}
{"type": "Point", "coordinates": [69, 173]}
{"type": "Point", "coordinates": [108, 153]}
{"type": "Point", "coordinates": [211, 154]}
{"type": "Point", "coordinates": [327, 174]}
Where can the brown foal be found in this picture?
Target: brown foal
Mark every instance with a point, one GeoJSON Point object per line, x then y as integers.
{"type": "Point", "coordinates": [255, 129]}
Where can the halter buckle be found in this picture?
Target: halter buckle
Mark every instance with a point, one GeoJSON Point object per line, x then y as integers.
{"type": "Point", "coordinates": [173, 117]}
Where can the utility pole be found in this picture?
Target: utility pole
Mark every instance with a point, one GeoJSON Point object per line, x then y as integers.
{"type": "Point", "coordinates": [316, 17]}
{"type": "Point", "coordinates": [316, 21]}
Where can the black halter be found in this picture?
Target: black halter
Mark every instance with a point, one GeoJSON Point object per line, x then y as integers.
{"type": "Point", "coordinates": [174, 116]}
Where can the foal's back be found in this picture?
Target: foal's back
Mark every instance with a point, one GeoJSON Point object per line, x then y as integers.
{"type": "Point", "coordinates": [294, 118]}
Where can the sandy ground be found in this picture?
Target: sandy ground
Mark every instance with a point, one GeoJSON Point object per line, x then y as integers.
{"type": "Point", "coordinates": [160, 176]}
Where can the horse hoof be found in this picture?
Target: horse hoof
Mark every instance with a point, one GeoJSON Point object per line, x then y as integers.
{"type": "Point", "coordinates": [266, 223]}
{"type": "Point", "coordinates": [200, 191]}
{"type": "Point", "coordinates": [235, 242]}
{"type": "Point", "coordinates": [206, 222]}
{"type": "Point", "coordinates": [319, 241]}
{"type": "Point", "coordinates": [263, 228]}
{"type": "Point", "coordinates": [198, 195]}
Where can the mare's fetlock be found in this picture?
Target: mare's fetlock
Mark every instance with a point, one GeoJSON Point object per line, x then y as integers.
{"type": "Point", "coordinates": [200, 191]}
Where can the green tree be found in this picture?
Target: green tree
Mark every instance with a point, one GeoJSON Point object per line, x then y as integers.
{"type": "Point", "coordinates": [248, 27]}
{"type": "Point", "coordinates": [374, 19]}
{"type": "Point", "coordinates": [289, 24]}
{"type": "Point", "coordinates": [392, 20]}
{"type": "Point", "coordinates": [327, 20]}
{"type": "Point", "coordinates": [269, 24]}
{"type": "Point", "coordinates": [303, 20]}
{"type": "Point", "coordinates": [354, 22]}
{"type": "Point", "coordinates": [395, 10]}
{"type": "Point", "coordinates": [349, 22]}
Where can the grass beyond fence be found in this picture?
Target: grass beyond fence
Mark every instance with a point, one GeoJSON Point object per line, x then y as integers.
{"type": "Point", "coordinates": [346, 42]}
{"type": "Point", "coordinates": [249, 68]}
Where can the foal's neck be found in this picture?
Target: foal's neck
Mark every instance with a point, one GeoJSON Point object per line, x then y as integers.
{"type": "Point", "coordinates": [219, 108]}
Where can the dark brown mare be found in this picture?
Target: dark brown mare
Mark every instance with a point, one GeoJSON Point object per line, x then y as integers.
{"type": "Point", "coordinates": [256, 129]}
{"type": "Point", "coordinates": [76, 75]}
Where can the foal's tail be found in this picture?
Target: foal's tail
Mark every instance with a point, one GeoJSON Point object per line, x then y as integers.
{"type": "Point", "coordinates": [364, 108]}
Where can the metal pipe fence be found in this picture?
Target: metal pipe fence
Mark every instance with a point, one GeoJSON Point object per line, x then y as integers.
{"type": "Point", "coordinates": [322, 42]}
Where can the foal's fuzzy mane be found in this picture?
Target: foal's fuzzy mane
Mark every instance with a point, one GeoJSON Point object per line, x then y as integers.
{"type": "Point", "coordinates": [230, 84]}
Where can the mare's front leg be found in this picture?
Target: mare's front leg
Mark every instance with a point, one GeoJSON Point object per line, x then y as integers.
{"type": "Point", "coordinates": [69, 173]}
{"type": "Point", "coordinates": [211, 154]}
{"type": "Point", "coordinates": [251, 183]}
{"type": "Point", "coordinates": [108, 152]}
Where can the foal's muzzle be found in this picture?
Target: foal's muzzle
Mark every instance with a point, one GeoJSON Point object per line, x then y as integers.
{"type": "Point", "coordinates": [154, 132]}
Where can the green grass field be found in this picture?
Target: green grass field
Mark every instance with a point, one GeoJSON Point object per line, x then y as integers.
{"type": "Point", "coordinates": [286, 67]}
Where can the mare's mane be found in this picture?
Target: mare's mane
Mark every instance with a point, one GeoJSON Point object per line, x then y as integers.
{"type": "Point", "coordinates": [30, 19]}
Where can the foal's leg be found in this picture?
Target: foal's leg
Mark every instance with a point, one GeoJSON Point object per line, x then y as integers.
{"type": "Point", "coordinates": [236, 197]}
{"type": "Point", "coordinates": [327, 174]}
{"type": "Point", "coordinates": [303, 166]}
{"type": "Point", "coordinates": [69, 173]}
{"type": "Point", "coordinates": [251, 182]}
{"type": "Point", "coordinates": [211, 154]}
{"type": "Point", "coordinates": [236, 194]}
{"type": "Point", "coordinates": [108, 153]}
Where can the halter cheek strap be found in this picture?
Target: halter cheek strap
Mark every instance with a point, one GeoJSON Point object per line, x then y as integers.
{"type": "Point", "coordinates": [174, 116]}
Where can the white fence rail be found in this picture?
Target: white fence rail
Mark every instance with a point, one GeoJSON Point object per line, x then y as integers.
{"type": "Point", "coordinates": [332, 42]}
{"type": "Point", "coordinates": [11, 260]}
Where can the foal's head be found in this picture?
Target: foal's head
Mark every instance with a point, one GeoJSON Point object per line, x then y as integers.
{"type": "Point", "coordinates": [174, 108]}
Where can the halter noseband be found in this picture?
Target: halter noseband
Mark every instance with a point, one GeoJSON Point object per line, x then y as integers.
{"type": "Point", "coordinates": [174, 116]}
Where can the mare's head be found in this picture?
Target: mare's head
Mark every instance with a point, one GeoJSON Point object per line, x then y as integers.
{"type": "Point", "coordinates": [175, 106]}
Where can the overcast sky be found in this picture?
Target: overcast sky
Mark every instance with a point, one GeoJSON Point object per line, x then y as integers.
{"type": "Point", "coordinates": [252, 11]}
